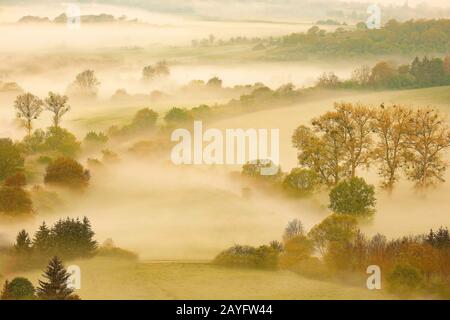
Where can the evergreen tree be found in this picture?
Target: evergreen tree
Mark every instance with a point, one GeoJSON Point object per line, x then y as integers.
{"type": "Point", "coordinates": [42, 242]}
{"type": "Point", "coordinates": [55, 288]}
{"type": "Point", "coordinates": [23, 243]}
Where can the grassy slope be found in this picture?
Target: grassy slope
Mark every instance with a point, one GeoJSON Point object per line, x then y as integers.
{"type": "Point", "coordinates": [108, 279]}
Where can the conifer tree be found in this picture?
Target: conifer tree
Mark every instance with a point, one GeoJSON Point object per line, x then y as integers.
{"type": "Point", "coordinates": [23, 243]}
{"type": "Point", "coordinates": [42, 243]}
{"type": "Point", "coordinates": [56, 286]}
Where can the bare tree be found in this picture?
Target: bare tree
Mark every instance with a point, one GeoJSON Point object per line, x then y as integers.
{"type": "Point", "coordinates": [28, 107]}
{"type": "Point", "coordinates": [57, 104]}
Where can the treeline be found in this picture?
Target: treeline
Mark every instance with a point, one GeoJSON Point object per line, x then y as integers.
{"type": "Point", "coordinates": [417, 36]}
{"type": "Point", "coordinates": [335, 248]}
{"type": "Point", "coordinates": [68, 238]}
{"type": "Point", "coordinates": [420, 73]}
{"type": "Point", "coordinates": [394, 38]}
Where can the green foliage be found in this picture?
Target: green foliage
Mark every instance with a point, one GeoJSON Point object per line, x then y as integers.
{"type": "Point", "coordinates": [11, 160]}
{"type": "Point", "coordinates": [18, 289]}
{"type": "Point", "coordinates": [55, 286]}
{"type": "Point", "coordinates": [144, 119]}
{"type": "Point", "coordinates": [302, 182]}
{"type": "Point", "coordinates": [61, 141]}
{"type": "Point", "coordinates": [96, 138]}
{"type": "Point", "coordinates": [334, 228]}
{"type": "Point", "coordinates": [353, 196]}
{"type": "Point", "coordinates": [263, 257]}
{"type": "Point", "coordinates": [67, 172]}
{"type": "Point", "coordinates": [404, 278]}
{"type": "Point", "coordinates": [421, 36]}
{"type": "Point", "coordinates": [177, 116]}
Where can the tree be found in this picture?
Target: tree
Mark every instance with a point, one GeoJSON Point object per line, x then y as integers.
{"type": "Point", "coordinates": [328, 81]}
{"type": "Point", "coordinates": [11, 160]}
{"type": "Point", "coordinates": [28, 107]}
{"type": "Point", "coordinates": [144, 119]}
{"type": "Point", "coordinates": [354, 123]}
{"type": "Point", "coordinates": [293, 229]}
{"type": "Point", "coordinates": [382, 73]}
{"type": "Point", "coordinates": [61, 141]}
{"type": "Point", "coordinates": [18, 289]}
{"type": "Point", "coordinates": [17, 180]}
{"type": "Point", "coordinates": [72, 238]}
{"type": "Point", "coordinates": [334, 228]}
{"type": "Point", "coordinates": [361, 76]}
{"type": "Point", "coordinates": [322, 154]}
{"type": "Point", "coordinates": [57, 104]}
{"type": "Point", "coordinates": [56, 285]}
{"type": "Point", "coordinates": [302, 182]}
{"type": "Point", "coordinates": [392, 126]}
{"type": "Point", "coordinates": [23, 243]}
{"type": "Point", "coordinates": [214, 82]}
{"type": "Point", "coordinates": [42, 241]}
{"type": "Point", "coordinates": [159, 69]}
{"type": "Point", "coordinates": [15, 201]}
{"type": "Point", "coordinates": [177, 115]}
{"type": "Point", "coordinates": [427, 140]}
{"type": "Point", "coordinates": [85, 85]}
{"type": "Point", "coordinates": [67, 172]}
{"type": "Point", "coordinates": [148, 72]}
{"type": "Point", "coordinates": [354, 197]}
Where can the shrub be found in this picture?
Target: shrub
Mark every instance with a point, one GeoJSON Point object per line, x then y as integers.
{"type": "Point", "coordinates": [301, 182]}
{"type": "Point", "coordinates": [18, 289]}
{"type": "Point", "coordinates": [339, 228]}
{"type": "Point", "coordinates": [263, 257]}
{"type": "Point", "coordinates": [296, 249]}
{"type": "Point", "coordinates": [354, 197]}
{"type": "Point", "coordinates": [67, 172]}
{"type": "Point", "coordinates": [404, 278]}
{"type": "Point", "coordinates": [109, 249]}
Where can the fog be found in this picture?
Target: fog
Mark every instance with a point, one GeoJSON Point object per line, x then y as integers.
{"type": "Point", "coordinates": [150, 206]}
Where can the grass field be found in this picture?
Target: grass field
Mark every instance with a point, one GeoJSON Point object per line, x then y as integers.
{"type": "Point", "coordinates": [103, 278]}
